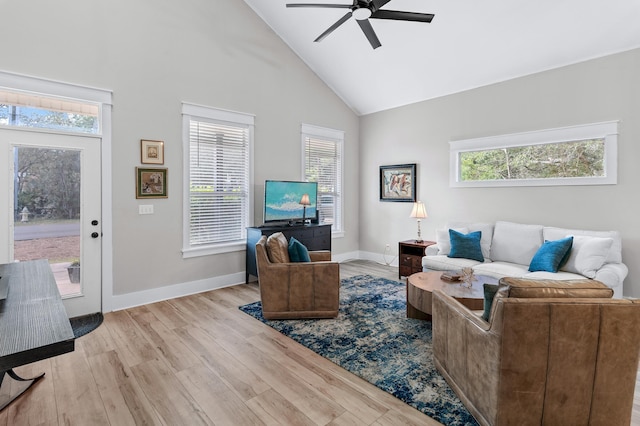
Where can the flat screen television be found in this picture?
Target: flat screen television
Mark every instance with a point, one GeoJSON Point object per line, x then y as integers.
{"type": "Point", "coordinates": [282, 200]}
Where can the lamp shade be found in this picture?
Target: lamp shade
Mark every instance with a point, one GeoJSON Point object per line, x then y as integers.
{"type": "Point", "coordinates": [305, 200]}
{"type": "Point", "coordinates": [418, 210]}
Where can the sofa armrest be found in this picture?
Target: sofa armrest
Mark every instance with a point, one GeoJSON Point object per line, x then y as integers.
{"type": "Point", "coordinates": [431, 250]}
{"type": "Point", "coordinates": [613, 275]}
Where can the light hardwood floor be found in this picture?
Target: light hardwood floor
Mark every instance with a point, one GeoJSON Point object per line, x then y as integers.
{"type": "Point", "coordinates": [200, 360]}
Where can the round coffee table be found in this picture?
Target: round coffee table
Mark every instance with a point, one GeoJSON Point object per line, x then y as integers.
{"type": "Point", "coordinates": [421, 285]}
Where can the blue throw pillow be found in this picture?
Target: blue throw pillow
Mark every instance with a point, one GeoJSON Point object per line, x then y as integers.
{"type": "Point", "coordinates": [466, 246]}
{"type": "Point", "coordinates": [551, 255]}
{"type": "Point", "coordinates": [297, 251]}
{"type": "Point", "coordinates": [489, 294]}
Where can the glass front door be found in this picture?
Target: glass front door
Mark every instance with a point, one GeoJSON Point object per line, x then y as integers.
{"type": "Point", "coordinates": [54, 214]}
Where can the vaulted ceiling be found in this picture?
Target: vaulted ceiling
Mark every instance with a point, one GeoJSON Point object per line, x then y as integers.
{"type": "Point", "coordinates": [469, 43]}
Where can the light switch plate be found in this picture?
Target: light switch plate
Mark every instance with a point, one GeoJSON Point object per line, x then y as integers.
{"type": "Point", "coordinates": [145, 209]}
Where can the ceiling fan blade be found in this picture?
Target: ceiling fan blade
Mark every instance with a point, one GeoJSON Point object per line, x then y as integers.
{"type": "Point", "coordinates": [367, 29]}
{"type": "Point", "coordinates": [377, 4]}
{"type": "Point", "coordinates": [334, 26]}
{"type": "Point", "coordinates": [330, 6]}
{"type": "Point", "coordinates": [402, 16]}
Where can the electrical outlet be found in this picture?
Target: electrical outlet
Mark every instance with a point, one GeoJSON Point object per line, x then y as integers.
{"type": "Point", "coordinates": [387, 247]}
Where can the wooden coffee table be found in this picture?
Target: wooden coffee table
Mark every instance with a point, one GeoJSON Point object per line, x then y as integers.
{"type": "Point", "coordinates": [420, 287]}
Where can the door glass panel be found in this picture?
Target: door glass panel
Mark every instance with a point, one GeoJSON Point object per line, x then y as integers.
{"type": "Point", "coordinates": [47, 211]}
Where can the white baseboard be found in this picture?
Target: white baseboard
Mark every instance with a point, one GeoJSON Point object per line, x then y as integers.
{"type": "Point", "coordinates": [130, 300]}
{"type": "Point", "coordinates": [389, 259]}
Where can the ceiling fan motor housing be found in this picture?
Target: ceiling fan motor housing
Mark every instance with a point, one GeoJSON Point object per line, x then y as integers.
{"type": "Point", "coordinates": [361, 13]}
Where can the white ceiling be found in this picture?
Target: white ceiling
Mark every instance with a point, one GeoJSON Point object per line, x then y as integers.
{"type": "Point", "coordinates": [470, 43]}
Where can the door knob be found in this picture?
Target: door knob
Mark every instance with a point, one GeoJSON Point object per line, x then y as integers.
{"type": "Point", "coordinates": [94, 222]}
{"type": "Point", "coordinates": [94, 235]}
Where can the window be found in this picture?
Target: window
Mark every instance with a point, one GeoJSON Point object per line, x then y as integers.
{"type": "Point", "coordinates": [217, 163]}
{"type": "Point", "coordinates": [322, 163]}
{"type": "Point", "coordinates": [24, 109]}
{"type": "Point", "coordinates": [579, 155]}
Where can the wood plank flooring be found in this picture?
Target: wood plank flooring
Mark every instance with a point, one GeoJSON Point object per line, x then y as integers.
{"type": "Point", "coordinates": [200, 360]}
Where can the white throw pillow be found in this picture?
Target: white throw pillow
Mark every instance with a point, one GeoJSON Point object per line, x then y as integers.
{"type": "Point", "coordinates": [615, 253]}
{"type": "Point", "coordinates": [443, 240]}
{"type": "Point", "coordinates": [515, 242]}
{"type": "Point", "coordinates": [587, 255]}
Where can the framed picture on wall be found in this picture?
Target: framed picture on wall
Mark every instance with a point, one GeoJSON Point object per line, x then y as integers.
{"type": "Point", "coordinates": [152, 152]}
{"type": "Point", "coordinates": [151, 183]}
{"type": "Point", "coordinates": [398, 183]}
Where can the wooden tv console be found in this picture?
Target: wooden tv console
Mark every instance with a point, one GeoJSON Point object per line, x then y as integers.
{"type": "Point", "coordinates": [314, 237]}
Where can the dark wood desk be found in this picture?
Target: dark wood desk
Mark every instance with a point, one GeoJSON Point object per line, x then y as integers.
{"type": "Point", "coordinates": [33, 324]}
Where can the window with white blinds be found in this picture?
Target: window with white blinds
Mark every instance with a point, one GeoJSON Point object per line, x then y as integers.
{"type": "Point", "coordinates": [322, 163]}
{"type": "Point", "coordinates": [218, 172]}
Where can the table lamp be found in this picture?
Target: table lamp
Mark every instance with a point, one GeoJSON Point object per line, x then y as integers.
{"type": "Point", "coordinates": [419, 212]}
{"type": "Point", "coordinates": [304, 201]}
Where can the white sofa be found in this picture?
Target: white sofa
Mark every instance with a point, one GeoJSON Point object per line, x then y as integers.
{"type": "Point", "coordinates": [508, 248]}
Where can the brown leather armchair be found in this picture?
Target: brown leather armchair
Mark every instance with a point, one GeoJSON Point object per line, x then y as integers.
{"type": "Point", "coordinates": [552, 353]}
{"type": "Point", "coordinates": [299, 289]}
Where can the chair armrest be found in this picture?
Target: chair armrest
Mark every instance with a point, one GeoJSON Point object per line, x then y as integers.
{"type": "Point", "coordinates": [320, 255]}
{"type": "Point", "coordinates": [458, 309]}
{"type": "Point", "coordinates": [466, 351]}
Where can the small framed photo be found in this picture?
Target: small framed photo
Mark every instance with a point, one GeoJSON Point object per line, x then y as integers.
{"type": "Point", "coordinates": [398, 183]}
{"type": "Point", "coordinates": [151, 183]}
{"type": "Point", "coordinates": [152, 152]}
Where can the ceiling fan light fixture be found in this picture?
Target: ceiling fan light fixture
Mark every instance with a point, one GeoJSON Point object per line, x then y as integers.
{"type": "Point", "coordinates": [361, 14]}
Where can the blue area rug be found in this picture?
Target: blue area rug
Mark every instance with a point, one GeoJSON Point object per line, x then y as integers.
{"type": "Point", "coordinates": [373, 338]}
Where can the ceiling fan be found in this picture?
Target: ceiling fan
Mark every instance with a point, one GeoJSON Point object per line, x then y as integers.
{"type": "Point", "coordinates": [362, 10]}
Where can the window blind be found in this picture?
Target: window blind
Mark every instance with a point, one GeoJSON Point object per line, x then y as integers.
{"type": "Point", "coordinates": [219, 181]}
{"type": "Point", "coordinates": [323, 164]}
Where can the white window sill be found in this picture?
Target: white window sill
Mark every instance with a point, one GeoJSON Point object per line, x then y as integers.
{"type": "Point", "coordinates": [209, 250]}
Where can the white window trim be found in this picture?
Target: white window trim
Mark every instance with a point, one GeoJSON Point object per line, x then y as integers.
{"type": "Point", "coordinates": [606, 130]}
{"type": "Point", "coordinates": [336, 136]}
{"type": "Point", "coordinates": [199, 111]}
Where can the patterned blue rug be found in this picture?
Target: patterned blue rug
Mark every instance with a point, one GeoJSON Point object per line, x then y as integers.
{"type": "Point", "coordinates": [373, 338]}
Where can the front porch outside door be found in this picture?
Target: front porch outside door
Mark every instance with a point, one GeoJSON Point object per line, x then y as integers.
{"type": "Point", "coordinates": [53, 190]}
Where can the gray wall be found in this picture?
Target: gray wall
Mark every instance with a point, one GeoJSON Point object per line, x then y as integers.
{"type": "Point", "coordinates": [598, 90]}
{"type": "Point", "coordinates": [154, 55]}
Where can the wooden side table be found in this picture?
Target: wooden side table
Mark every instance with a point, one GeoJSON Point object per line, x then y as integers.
{"type": "Point", "coordinates": [410, 253]}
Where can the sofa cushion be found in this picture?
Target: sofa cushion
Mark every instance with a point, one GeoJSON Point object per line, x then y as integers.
{"type": "Point", "coordinates": [297, 251]}
{"type": "Point", "coordinates": [466, 246]}
{"type": "Point", "coordinates": [615, 253]}
{"type": "Point", "coordinates": [528, 288]}
{"type": "Point", "coordinates": [515, 242]}
{"type": "Point", "coordinates": [500, 269]}
{"type": "Point", "coordinates": [587, 255]}
{"type": "Point", "coordinates": [485, 228]}
{"type": "Point", "coordinates": [551, 255]}
{"type": "Point", "coordinates": [445, 263]}
{"type": "Point", "coordinates": [558, 276]}
{"type": "Point", "coordinates": [278, 248]}
{"type": "Point", "coordinates": [444, 242]}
